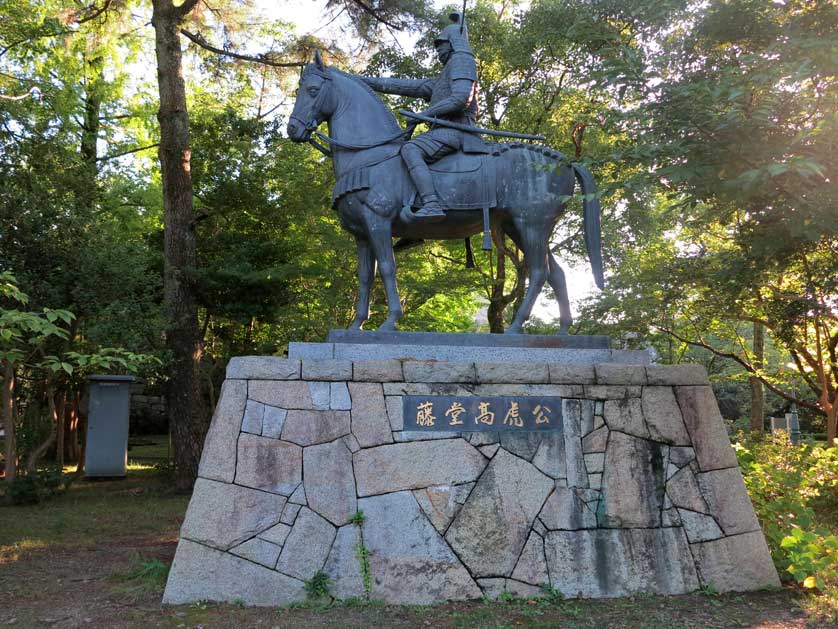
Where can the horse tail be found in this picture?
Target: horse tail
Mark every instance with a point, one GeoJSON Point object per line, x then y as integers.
{"type": "Point", "coordinates": [593, 236]}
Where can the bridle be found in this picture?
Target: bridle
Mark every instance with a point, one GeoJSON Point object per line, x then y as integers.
{"type": "Point", "coordinates": [312, 123]}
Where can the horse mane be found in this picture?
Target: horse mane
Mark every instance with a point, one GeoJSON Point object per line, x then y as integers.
{"type": "Point", "coordinates": [391, 119]}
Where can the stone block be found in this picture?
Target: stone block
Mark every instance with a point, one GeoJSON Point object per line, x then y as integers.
{"type": "Point", "coordinates": [339, 398]}
{"type": "Point", "coordinates": [524, 444]}
{"type": "Point", "coordinates": [532, 567]}
{"type": "Point", "coordinates": [575, 413]}
{"type": "Point", "coordinates": [377, 371]}
{"type": "Point", "coordinates": [513, 372]}
{"type": "Point", "coordinates": [416, 465]}
{"type": "Point", "coordinates": [550, 457]}
{"type": "Point", "coordinates": [679, 457]}
{"type": "Point", "coordinates": [728, 500]}
{"type": "Point", "coordinates": [663, 416]}
{"type": "Point", "coordinates": [683, 491]}
{"type": "Point", "coordinates": [423, 435]}
{"type": "Point", "coordinates": [329, 483]}
{"type": "Point", "coordinates": [262, 552]}
{"type": "Point", "coordinates": [438, 371]}
{"type": "Point", "coordinates": [706, 428]}
{"type": "Point", "coordinates": [462, 492]}
{"type": "Point", "coordinates": [200, 573]}
{"type": "Point", "coordinates": [299, 495]}
{"type": "Point", "coordinates": [525, 590]}
{"type": "Point", "coordinates": [218, 461]}
{"type": "Point", "coordinates": [626, 415]}
{"type": "Point", "coordinates": [595, 480]}
{"type": "Point", "coordinates": [369, 415]}
{"type": "Point", "coordinates": [439, 505]}
{"type": "Point", "coordinates": [632, 483]}
{"type": "Point", "coordinates": [308, 428]}
{"type": "Point", "coordinates": [272, 421]}
{"type": "Point", "coordinates": [329, 370]}
{"type": "Point", "coordinates": [224, 515]}
{"type": "Point", "coordinates": [490, 450]}
{"type": "Point", "coordinates": [343, 567]}
{"type": "Point", "coordinates": [611, 391]}
{"type": "Point", "coordinates": [595, 441]}
{"type": "Point", "coordinates": [351, 442]}
{"type": "Point", "coordinates": [688, 374]}
{"type": "Point", "coordinates": [253, 413]}
{"type": "Point", "coordinates": [269, 464]}
{"type": "Point", "coordinates": [493, 587]}
{"type": "Point", "coordinates": [289, 514]}
{"type": "Point", "coordinates": [524, 389]}
{"type": "Point", "coordinates": [569, 373]}
{"type": "Point", "coordinates": [395, 411]}
{"type": "Point", "coordinates": [612, 373]}
{"type": "Point", "coordinates": [736, 564]}
{"type": "Point", "coordinates": [263, 368]}
{"type": "Point", "coordinates": [307, 547]}
{"type": "Point", "coordinates": [619, 562]}
{"type": "Point", "coordinates": [427, 388]}
{"type": "Point", "coordinates": [320, 395]}
{"type": "Point", "coordinates": [698, 526]}
{"type": "Point", "coordinates": [565, 510]}
{"type": "Point", "coordinates": [418, 568]}
{"type": "Point", "coordinates": [283, 394]}
{"type": "Point", "coordinates": [594, 462]}
{"type": "Point", "coordinates": [492, 527]}
{"type": "Point", "coordinates": [276, 534]}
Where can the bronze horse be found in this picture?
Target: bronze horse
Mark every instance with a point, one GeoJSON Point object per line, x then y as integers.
{"type": "Point", "coordinates": [373, 185]}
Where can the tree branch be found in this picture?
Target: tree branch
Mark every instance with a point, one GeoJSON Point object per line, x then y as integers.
{"type": "Point", "coordinates": [105, 158]}
{"type": "Point", "coordinates": [748, 368]}
{"type": "Point", "coordinates": [264, 58]}
{"type": "Point", "coordinates": [375, 14]}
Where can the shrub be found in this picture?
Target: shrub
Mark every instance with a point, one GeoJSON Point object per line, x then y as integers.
{"type": "Point", "coordinates": [794, 488]}
{"type": "Point", "coordinates": [35, 487]}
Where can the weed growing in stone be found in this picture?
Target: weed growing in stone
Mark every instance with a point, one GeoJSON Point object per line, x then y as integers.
{"type": "Point", "coordinates": [318, 586]}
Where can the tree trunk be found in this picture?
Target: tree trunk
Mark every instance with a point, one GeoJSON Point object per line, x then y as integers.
{"type": "Point", "coordinates": [757, 391]}
{"type": "Point", "coordinates": [8, 400]}
{"type": "Point", "coordinates": [41, 450]}
{"type": "Point", "coordinates": [185, 406]}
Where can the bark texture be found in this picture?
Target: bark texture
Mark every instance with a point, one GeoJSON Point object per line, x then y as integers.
{"type": "Point", "coordinates": [187, 414]}
{"type": "Point", "coordinates": [8, 402]}
{"type": "Point", "coordinates": [757, 391]}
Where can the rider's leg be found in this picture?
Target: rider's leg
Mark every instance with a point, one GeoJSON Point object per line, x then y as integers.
{"type": "Point", "coordinates": [415, 156]}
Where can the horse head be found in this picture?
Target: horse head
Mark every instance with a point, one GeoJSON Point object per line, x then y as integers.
{"type": "Point", "coordinates": [315, 101]}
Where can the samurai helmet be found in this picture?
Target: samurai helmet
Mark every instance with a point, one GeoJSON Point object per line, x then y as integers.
{"type": "Point", "coordinates": [456, 34]}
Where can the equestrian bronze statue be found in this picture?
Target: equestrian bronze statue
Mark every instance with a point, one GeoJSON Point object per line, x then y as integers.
{"type": "Point", "coordinates": [444, 184]}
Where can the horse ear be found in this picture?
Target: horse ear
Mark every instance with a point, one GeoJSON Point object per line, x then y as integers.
{"type": "Point", "coordinates": [318, 60]}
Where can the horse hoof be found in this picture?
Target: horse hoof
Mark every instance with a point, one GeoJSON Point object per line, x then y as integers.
{"type": "Point", "coordinates": [563, 331]}
{"type": "Point", "coordinates": [387, 326]}
{"type": "Point", "coordinates": [514, 329]}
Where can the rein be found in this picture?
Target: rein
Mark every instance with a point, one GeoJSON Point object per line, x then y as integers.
{"type": "Point", "coordinates": [359, 147]}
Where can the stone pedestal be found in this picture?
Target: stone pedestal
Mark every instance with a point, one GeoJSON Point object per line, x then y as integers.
{"type": "Point", "coordinates": [308, 467]}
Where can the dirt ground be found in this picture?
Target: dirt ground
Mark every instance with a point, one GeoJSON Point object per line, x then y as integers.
{"type": "Point", "coordinates": [97, 555]}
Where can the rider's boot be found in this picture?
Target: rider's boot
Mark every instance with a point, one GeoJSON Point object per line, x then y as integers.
{"type": "Point", "coordinates": [430, 210]}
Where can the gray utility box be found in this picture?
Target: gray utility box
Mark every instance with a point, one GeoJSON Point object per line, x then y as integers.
{"type": "Point", "coordinates": [106, 453]}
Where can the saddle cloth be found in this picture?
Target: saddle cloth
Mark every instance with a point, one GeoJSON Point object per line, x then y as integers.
{"type": "Point", "coordinates": [465, 181]}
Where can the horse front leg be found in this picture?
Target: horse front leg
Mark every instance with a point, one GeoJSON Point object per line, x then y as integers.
{"type": "Point", "coordinates": [533, 241]}
{"type": "Point", "coordinates": [380, 234]}
{"type": "Point", "coordinates": [366, 275]}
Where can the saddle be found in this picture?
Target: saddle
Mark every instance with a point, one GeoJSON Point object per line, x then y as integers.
{"type": "Point", "coordinates": [465, 181]}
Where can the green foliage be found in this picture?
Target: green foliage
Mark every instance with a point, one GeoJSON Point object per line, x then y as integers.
{"type": "Point", "coordinates": [362, 554]}
{"type": "Point", "coordinates": [148, 574]}
{"type": "Point", "coordinates": [358, 518]}
{"type": "Point", "coordinates": [317, 587]}
{"type": "Point", "coordinates": [794, 490]}
{"type": "Point", "coordinates": [35, 487]}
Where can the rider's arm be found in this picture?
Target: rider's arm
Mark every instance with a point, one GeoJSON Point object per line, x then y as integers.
{"type": "Point", "coordinates": [415, 88]}
{"type": "Point", "coordinates": [462, 92]}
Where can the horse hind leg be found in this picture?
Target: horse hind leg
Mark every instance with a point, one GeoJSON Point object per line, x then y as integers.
{"type": "Point", "coordinates": [558, 283]}
{"type": "Point", "coordinates": [532, 239]}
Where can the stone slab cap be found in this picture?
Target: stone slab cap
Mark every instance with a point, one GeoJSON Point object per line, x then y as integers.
{"type": "Point", "coordinates": [438, 371]}
{"type": "Point", "coordinates": [377, 371]}
{"type": "Point", "coordinates": [610, 373]}
{"type": "Point", "coordinates": [682, 375]}
{"type": "Point", "coordinates": [263, 368]}
{"type": "Point", "coordinates": [333, 370]}
{"type": "Point", "coordinates": [513, 372]}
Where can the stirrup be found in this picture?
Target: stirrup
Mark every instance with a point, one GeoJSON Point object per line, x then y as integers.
{"type": "Point", "coordinates": [431, 211]}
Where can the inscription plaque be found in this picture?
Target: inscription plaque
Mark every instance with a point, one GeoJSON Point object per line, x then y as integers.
{"type": "Point", "coordinates": [482, 414]}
